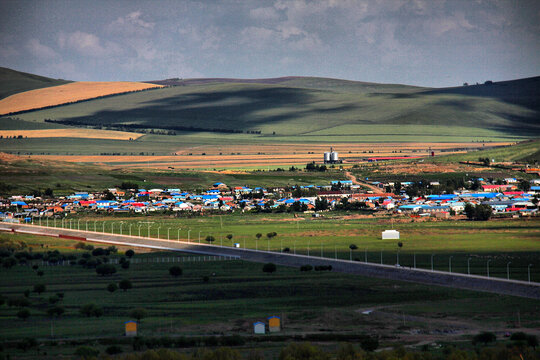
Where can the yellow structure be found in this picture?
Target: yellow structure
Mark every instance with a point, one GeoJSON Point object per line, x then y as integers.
{"type": "Point", "coordinates": [131, 328]}
{"type": "Point", "coordinates": [274, 324]}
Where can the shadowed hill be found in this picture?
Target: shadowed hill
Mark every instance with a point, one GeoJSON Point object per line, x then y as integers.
{"type": "Point", "coordinates": [13, 82]}
{"type": "Point", "coordinates": [316, 109]}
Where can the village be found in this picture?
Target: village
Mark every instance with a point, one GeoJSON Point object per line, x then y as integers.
{"type": "Point", "coordinates": [508, 197]}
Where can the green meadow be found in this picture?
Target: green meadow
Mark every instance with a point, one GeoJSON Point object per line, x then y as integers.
{"type": "Point", "coordinates": [499, 241]}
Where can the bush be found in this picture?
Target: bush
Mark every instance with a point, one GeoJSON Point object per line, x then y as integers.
{"type": "Point", "coordinates": [125, 265]}
{"type": "Point", "coordinates": [86, 352]}
{"type": "Point", "coordinates": [112, 287]}
{"type": "Point", "coordinates": [56, 311]}
{"type": "Point", "coordinates": [138, 313]}
{"type": "Point", "coordinates": [105, 269]}
{"type": "Point", "coordinates": [175, 271]}
{"type": "Point", "coordinates": [113, 350]}
{"type": "Point", "coordinates": [40, 273]}
{"type": "Point", "coordinates": [130, 253]}
{"type": "Point", "coordinates": [98, 252]}
{"type": "Point", "coordinates": [9, 262]}
{"type": "Point", "coordinates": [23, 314]}
{"type": "Point", "coordinates": [39, 288]}
{"type": "Point", "coordinates": [269, 268]}
{"type": "Point", "coordinates": [53, 299]}
{"type": "Point", "coordinates": [18, 302]}
{"type": "Point", "coordinates": [306, 268]}
{"type": "Point", "coordinates": [484, 337]}
{"type": "Point", "coordinates": [89, 310]}
{"type": "Point", "coordinates": [370, 343]}
{"type": "Point", "coordinates": [125, 285]}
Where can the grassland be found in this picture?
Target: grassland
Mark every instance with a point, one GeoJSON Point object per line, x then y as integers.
{"type": "Point", "coordinates": [13, 82]}
{"type": "Point", "coordinates": [67, 93]}
{"type": "Point", "coordinates": [311, 114]}
{"type": "Point", "coordinates": [239, 293]}
{"type": "Point", "coordinates": [499, 240]}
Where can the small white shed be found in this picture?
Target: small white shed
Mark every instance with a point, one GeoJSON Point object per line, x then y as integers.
{"type": "Point", "coordinates": [390, 234]}
{"type": "Point", "coordinates": [259, 328]}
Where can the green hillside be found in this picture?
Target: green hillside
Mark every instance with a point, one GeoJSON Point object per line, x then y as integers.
{"type": "Point", "coordinates": [13, 82]}
{"type": "Point", "coordinates": [310, 109]}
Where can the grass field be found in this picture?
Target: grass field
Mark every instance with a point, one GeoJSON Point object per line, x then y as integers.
{"type": "Point", "coordinates": [67, 93]}
{"type": "Point", "coordinates": [282, 110]}
{"type": "Point", "coordinates": [500, 241]}
{"type": "Point", "coordinates": [237, 294]}
{"type": "Point", "coordinates": [13, 82]}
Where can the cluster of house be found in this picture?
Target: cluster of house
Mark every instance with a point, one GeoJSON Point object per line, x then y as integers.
{"type": "Point", "coordinates": [502, 198]}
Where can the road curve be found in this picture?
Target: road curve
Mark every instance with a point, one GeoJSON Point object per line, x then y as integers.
{"type": "Point", "coordinates": [422, 276]}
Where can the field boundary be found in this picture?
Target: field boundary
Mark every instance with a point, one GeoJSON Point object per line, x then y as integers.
{"type": "Point", "coordinates": [423, 276]}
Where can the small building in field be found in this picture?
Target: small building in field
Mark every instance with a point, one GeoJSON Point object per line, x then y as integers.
{"type": "Point", "coordinates": [259, 328]}
{"type": "Point", "coordinates": [131, 328]}
{"type": "Point", "coordinates": [390, 234]}
{"type": "Point", "coordinates": [274, 324]}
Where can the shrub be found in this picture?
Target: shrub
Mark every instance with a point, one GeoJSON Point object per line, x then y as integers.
{"type": "Point", "coordinates": [40, 273]}
{"type": "Point", "coordinates": [39, 288]}
{"type": "Point", "coordinates": [130, 253]}
{"type": "Point", "coordinates": [89, 310]}
{"type": "Point", "coordinates": [112, 287]}
{"type": "Point", "coordinates": [370, 343]}
{"type": "Point", "coordinates": [484, 337]}
{"type": "Point", "coordinates": [53, 299]}
{"type": "Point", "coordinates": [269, 268]}
{"type": "Point", "coordinates": [138, 313]}
{"type": "Point", "coordinates": [125, 285]}
{"type": "Point", "coordinates": [105, 269]}
{"type": "Point", "coordinates": [23, 314]}
{"type": "Point", "coordinates": [306, 268]}
{"type": "Point", "coordinates": [56, 311]}
{"type": "Point", "coordinates": [175, 271]}
{"type": "Point", "coordinates": [9, 262]}
{"type": "Point", "coordinates": [125, 265]}
{"type": "Point", "coordinates": [113, 350]}
{"type": "Point", "coordinates": [86, 352]}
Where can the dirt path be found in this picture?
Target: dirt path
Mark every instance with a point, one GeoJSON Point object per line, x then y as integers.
{"type": "Point", "coordinates": [353, 178]}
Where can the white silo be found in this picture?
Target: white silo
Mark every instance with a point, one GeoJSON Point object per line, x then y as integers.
{"type": "Point", "coordinates": [326, 157]}
{"type": "Point", "coordinates": [334, 157]}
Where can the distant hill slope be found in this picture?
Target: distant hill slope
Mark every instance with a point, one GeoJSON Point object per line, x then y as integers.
{"type": "Point", "coordinates": [68, 93]}
{"type": "Point", "coordinates": [300, 82]}
{"type": "Point", "coordinates": [317, 109]}
{"type": "Point", "coordinates": [13, 82]}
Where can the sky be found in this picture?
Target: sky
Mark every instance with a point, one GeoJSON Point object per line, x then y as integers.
{"type": "Point", "coordinates": [418, 42]}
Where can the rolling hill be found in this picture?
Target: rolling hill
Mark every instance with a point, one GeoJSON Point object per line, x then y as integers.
{"type": "Point", "coordinates": [13, 82]}
{"type": "Point", "coordinates": [311, 109]}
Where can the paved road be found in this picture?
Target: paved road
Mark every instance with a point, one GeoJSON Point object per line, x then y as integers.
{"type": "Point", "coordinates": [423, 276]}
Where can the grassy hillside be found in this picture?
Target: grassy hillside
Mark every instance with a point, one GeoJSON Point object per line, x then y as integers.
{"type": "Point", "coordinates": [526, 151]}
{"type": "Point", "coordinates": [13, 82]}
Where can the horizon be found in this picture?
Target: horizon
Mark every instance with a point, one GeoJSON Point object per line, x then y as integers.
{"type": "Point", "coordinates": [420, 43]}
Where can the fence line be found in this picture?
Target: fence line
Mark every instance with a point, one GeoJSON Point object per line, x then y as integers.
{"type": "Point", "coordinates": [147, 260]}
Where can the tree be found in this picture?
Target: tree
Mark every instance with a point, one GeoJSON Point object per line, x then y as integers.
{"type": "Point", "coordinates": [369, 343]}
{"type": "Point", "coordinates": [112, 287]}
{"type": "Point", "coordinates": [130, 253]}
{"type": "Point", "coordinates": [39, 288]}
{"type": "Point", "coordinates": [125, 265]}
{"type": "Point", "coordinates": [525, 185]}
{"type": "Point", "coordinates": [23, 314]}
{"type": "Point", "coordinates": [269, 268]}
{"type": "Point", "coordinates": [91, 310]}
{"type": "Point", "coordinates": [86, 352]}
{"type": "Point", "coordinates": [125, 285]}
{"type": "Point", "coordinates": [105, 269]}
{"type": "Point", "coordinates": [483, 212]}
{"type": "Point", "coordinates": [210, 239]}
{"type": "Point", "coordinates": [229, 236]}
{"type": "Point", "coordinates": [9, 262]}
{"type": "Point", "coordinates": [138, 313]}
{"type": "Point", "coordinates": [56, 311]}
{"type": "Point", "coordinates": [484, 337]}
{"type": "Point", "coordinates": [175, 271]}
{"type": "Point", "coordinates": [258, 235]}
{"type": "Point", "coordinates": [353, 247]}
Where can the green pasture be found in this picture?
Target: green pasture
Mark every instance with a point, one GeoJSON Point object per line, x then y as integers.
{"type": "Point", "coordinates": [304, 110]}
{"type": "Point", "coordinates": [237, 294]}
{"type": "Point", "coordinates": [499, 241]}
{"type": "Point", "coordinates": [13, 82]}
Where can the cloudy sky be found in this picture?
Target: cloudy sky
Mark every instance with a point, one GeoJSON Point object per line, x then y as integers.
{"type": "Point", "coordinates": [421, 42]}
